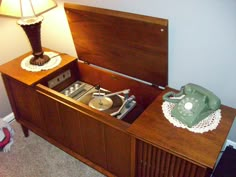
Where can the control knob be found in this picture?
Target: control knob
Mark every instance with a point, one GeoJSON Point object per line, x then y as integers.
{"type": "Point", "coordinates": [67, 92]}
{"type": "Point", "coordinates": [76, 86]}
{"type": "Point", "coordinates": [72, 89]}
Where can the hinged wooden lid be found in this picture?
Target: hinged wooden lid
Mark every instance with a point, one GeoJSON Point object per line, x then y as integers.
{"type": "Point", "coordinates": [131, 44]}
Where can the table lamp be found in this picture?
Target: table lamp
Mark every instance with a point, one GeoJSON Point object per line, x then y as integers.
{"type": "Point", "coordinates": [28, 12]}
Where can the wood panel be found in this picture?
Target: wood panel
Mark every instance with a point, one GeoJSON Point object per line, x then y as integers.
{"type": "Point", "coordinates": [94, 142]}
{"type": "Point", "coordinates": [26, 103]}
{"type": "Point", "coordinates": [154, 162]}
{"type": "Point", "coordinates": [118, 150]}
{"type": "Point", "coordinates": [131, 44]}
{"type": "Point", "coordinates": [72, 128]}
{"type": "Point", "coordinates": [50, 111]}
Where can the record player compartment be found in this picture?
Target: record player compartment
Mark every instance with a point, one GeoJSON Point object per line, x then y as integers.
{"type": "Point", "coordinates": [144, 94]}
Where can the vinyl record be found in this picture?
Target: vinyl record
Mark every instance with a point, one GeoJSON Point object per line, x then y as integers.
{"type": "Point", "coordinates": [105, 104]}
{"type": "Point", "coordinates": [101, 103]}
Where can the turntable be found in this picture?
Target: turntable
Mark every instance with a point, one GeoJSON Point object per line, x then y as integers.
{"type": "Point", "coordinates": [101, 99]}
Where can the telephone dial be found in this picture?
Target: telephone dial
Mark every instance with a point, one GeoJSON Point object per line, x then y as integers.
{"type": "Point", "coordinates": [193, 104]}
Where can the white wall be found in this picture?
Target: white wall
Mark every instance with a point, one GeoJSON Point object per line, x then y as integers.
{"type": "Point", "coordinates": [202, 40]}
{"type": "Point", "coordinates": [12, 44]}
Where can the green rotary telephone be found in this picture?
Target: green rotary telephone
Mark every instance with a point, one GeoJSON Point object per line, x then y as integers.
{"type": "Point", "coordinates": [195, 104]}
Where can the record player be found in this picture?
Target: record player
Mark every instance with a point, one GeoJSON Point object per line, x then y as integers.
{"type": "Point", "coordinates": [100, 99]}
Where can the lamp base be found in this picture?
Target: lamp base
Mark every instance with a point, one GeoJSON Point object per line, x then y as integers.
{"type": "Point", "coordinates": [32, 26]}
{"type": "Point", "coordinates": [39, 60]}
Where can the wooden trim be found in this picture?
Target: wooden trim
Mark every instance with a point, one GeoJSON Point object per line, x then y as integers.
{"type": "Point", "coordinates": [126, 15]}
{"type": "Point", "coordinates": [133, 156]}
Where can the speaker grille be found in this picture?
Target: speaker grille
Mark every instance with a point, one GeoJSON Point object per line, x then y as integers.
{"type": "Point", "coordinates": [154, 162]}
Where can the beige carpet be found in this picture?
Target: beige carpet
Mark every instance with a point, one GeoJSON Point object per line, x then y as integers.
{"type": "Point", "coordinates": [35, 157]}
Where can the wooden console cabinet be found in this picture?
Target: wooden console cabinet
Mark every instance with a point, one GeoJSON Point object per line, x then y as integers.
{"type": "Point", "coordinates": [148, 147]}
{"type": "Point", "coordinates": [144, 143]}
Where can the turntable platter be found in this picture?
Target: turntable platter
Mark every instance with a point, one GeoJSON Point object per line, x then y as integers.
{"type": "Point", "coordinates": [109, 104]}
{"type": "Point", "coordinates": [101, 103]}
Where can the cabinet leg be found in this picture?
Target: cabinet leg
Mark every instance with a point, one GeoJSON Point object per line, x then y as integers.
{"type": "Point", "coordinates": [25, 130]}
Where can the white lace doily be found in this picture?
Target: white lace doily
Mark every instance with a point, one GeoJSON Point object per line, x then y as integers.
{"type": "Point", "coordinates": [54, 61]}
{"type": "Point", "coordinates": [207, 124]}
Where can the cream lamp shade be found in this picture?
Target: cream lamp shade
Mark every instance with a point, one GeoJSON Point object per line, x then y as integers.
{"type": "Point", "coordinates": [25, 8]}
{"type": "Point", "coordinates": [28, 12]}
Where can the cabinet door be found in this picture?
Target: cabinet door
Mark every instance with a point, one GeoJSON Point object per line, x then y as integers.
{"type": "Point", "coordinates": [71, 125]}
{"type": "Point", "coordinates": [152, 161]}
{"type": "Point", "coordinates": [118, 150]}
{"type": "Point", "coordinates": [50, 111]}
{"type": "Point", "coordinates": [25, 103]}
{"type": "Point", "coordinates": [63, 123]}
{"type": "Point", "coordinates": [93, 138]}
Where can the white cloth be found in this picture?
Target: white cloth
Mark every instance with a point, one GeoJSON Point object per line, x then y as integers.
{"type": "Point", "coordinates": [54, 61]}
{"type": "Point", "coordinates": [208, 124]}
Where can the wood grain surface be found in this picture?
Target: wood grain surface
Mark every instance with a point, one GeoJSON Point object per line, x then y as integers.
{"type": "Point", "coordinates": [131, 44]}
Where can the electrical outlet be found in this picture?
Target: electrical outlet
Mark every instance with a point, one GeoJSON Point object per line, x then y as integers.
{"type": "Point", "coordinates": [229, 143]}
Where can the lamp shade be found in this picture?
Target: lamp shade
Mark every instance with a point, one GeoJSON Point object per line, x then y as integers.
{"type": "Point", "coordinates": [25, 8]}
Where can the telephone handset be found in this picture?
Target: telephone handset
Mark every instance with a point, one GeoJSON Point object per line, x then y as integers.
{"type": "Point", "coordinates": [194, 103]}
